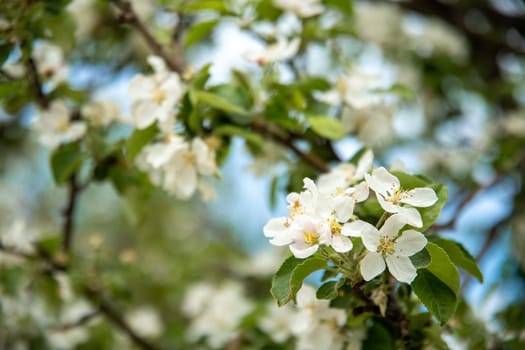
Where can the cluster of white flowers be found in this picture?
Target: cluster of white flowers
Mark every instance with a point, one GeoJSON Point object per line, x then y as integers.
{"type": "Point", "coordinates": [49, 61]}
{"type": "Point", "coordinates": [216, 312]}
{"type": "Point", "coordinates": [323, 214]}
{"type": "Point", "coordinates": [279, 51]}
{"type": "Point", "coordinates": [173, 163]}
{"type": "Point", "coordinates": [55, 126]}
{"type": "Point", "coordinates": [301, 8]}
{"type": "Point", "coordinates": [145, 321]}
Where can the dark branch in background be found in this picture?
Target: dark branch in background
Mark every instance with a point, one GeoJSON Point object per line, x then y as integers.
{"type": "Point", "coordinates": [110, 312]}
{"type": "Point", "coordinates": [69, 212]}
{"type": "Point", "coordinates": [41, 98]}
{"type": "Point", "coordinates": [78, 323]}
{"type": "Point", "coordinates": [310, 158]}
{"type": "Point", "coordinates": [394, 313]}
{"type": "Point", "coordinates": [129, 16]}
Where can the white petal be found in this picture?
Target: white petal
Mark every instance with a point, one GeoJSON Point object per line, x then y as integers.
{"type": "Point", "coordinates": [75, 131]}
{"type": "Point", "coordinates": [144, 113]}
{"type": "Point", "coordinates": [382, 181]}
{"type": "Point", "coordinates": [364, 165]}
{"type": "Point", "coordinates": [341, 244]}
{"type": "Point", "coordinates": [410, 243]}
{"type": "Point", "coordinates": [392, 226]}
{"type": "Point", "coordinates": [356, 228]}
{"type": "Point", "coordinates": [386, 205]}
{"type": "Point", "coordinates": [370, 237]}
{"type": "Point", "coordinates": [277, 230]}
{"type": "Point", "coordinates": [361, 192]}
{"type": "Point", "coordinates": [157, 64]}
{"type": "Point", "coordinates": [411, 216]}
{"type": "Point", "coordinates": [401, 268]}
{"type": "Point", "coordinates": [421, 197]}
{"type": "Point", "coordinates": [301, 251]}
{"type": "Point", "coordinates": [185, 182]}
{"type": "Point", "coordinates": [372, 265]}
{"type": "Point", "coordinates": [344, 207]}
{"type": "Point", "coordinates": [141, 87]}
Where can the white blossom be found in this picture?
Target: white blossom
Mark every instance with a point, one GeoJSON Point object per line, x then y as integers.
{"type": "Point", "coordinates": [278, 322]}
{"type": "Point", "coordinates": [100, 113]}
{"type": "Point", "coordinates": [55, 126]}
{"type": "Point", "coordinates": [145, 321]}
{"type": "Point", "coordinates": [281, 50]}
{"type": "Point", "coordinates": [387, 245]}
{"type": "Point", "coordinates": [49, 61]}
{"type": "Point", "coordinates": [155, 96]}
{"type": "Point", "coordinates": [69, 337]}
{"type": "Point", "coordinates": [218, 316]}
{"type": "Point", "coordinates": [391, 196]}
{"type": "Point", "coordinates": [301, 8]}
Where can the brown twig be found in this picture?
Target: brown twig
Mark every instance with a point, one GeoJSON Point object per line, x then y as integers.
{"type": "Point", "coordinates": [309, 158]}
{"type": "Point", "coordinates": [78, 323]}
{"type": "Point", "coordinates": [129, 16]}
{"type": "Point", "coordinates": [110, 312]}
{"type": "Point", "coordinates": [69, 212]}
{"type": "Point", "coordinates": [41, 98]}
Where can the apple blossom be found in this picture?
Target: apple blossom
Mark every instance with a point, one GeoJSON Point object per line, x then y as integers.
{"type": "Point", "coordinates": [391, 196]}
{"type": "Point", "coordinates": [301, 8]}
{"type": "Point", "coordinates": [387, 245]}
{"type": "Point", "coordinates": [145, 321]}
{"type": "Point", "coordinates": [281, 50]}
{"type": "Point", "coordinates": [155, 96]}
{"type": "Point", "coordinates": [55, 126]}
{"type": "Point", "coordinates": [49, 61]}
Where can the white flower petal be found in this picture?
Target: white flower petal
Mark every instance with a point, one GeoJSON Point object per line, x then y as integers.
{"type": "Point", "coordinates": [401, 268]}
{"type": "Point", "coordinates": [382, 181]}
{"type": "Point", "coordinates": [277, 229]}
{"type": "Point", "coordinates": [361, 192]}
{"type": "Point", "coordinates": [421, 197]}
{"type": "Point", "coordinates": [370, 237]}
{"type": "Point", "coordinates": [392, 226]}
{"type": "Point", "coordinates": [364, 165]}
{"type": "Point", "coordinates": [410, 243]}
{"type": "Point", "coordinates": [386, 205]}
{"type": "Point", "coordinates": [344, 207]}
{"type": "Point", "coordinates": [372, 265]}
{"type": "Point", "coordinates": [301, 250]}
{"type": "Point", "coordinates": [356, 228]}
{"type": "Point", "coordinates": [341, 244]}
{"type": "Point", "coordinates": [411, 216]}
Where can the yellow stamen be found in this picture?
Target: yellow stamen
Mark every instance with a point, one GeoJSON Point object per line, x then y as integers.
{"type": "Point", "coordinates": [386, 246]}
{"type": "Point", "coordinates": [311, 238]}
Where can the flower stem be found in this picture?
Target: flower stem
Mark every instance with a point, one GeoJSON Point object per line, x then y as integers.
{"type": "Point", "coordinates": [382, 219]}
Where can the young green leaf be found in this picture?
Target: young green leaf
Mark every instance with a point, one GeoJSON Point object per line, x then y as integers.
{"type": "Point", "coordinates": [218, 102]}
{"type": "Point", "coordinates": [442, 267]}
{"type": "Point", "coordinates": [327, 127]}
{"type": "Point", "coordinates": [437, 296]}
{"type": "Point", "coordinates": [460, 257]}
{"type": "Point", "coordinates": [290, 276]}
{"type": "Point", "coordinates": [198, 31]}
{"type": "Point", "coordinates": [65, 160]}
{"type": "Point", "coordinates": [139, 139]}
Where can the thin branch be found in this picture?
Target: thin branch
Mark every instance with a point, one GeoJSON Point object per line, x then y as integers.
{"type": "Point", "coordinates": [110, 312]}
{"type": "Point", "coordinates": [78, 323]}
{"type": "Point", "coordinates": [74, 189]}
{"type": "Point", "coordinates": [41, 98]}
{"type": "Point", "coordinates": [128, 15]}
{"type": "Point", "coordinates": [309, 158]}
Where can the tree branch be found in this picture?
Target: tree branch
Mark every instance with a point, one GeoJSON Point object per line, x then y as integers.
{"type": "Point", "coordinates": [69, 213]}
{"type": "Point", "coordinates": [41, 98]}
{"type": "Point", "coordinates": [128, 15]}
{"type": "Point", "coordinates": [110, 312]}
{"type": "Point", "coordinates": [309, 158]}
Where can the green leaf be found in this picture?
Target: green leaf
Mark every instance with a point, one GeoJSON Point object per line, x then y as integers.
{"type": "Point", "coordinates": [378, 337]}
{"type": "Point", "coordinates": [460, 256]}
{"type": "Point", "coordinates": [198, 31]}
{"type": "Point", "coordinates": [252, 138]}
{"type": "Point", "coordinates": [201, 5]}
{"type": "Point", "coordinates": [330, 290]}
{"type": "Point", "coordinates": [290, 276]}
{"type": "Point", "coordinates": [273, 191]}
{"type": "Point", "coordinates": [65, 160]}
{"type": "Point", "coordinates": [139, 139]}
{"type": "Point", "coordinates": [421, 259]}
{"type": "Point", "coordinates": [437, 296]}
{"type": "Point", "coordinates": [218, 102]}
{"type": "Point", "coordinates": [442, 267]}
{"type": "Point", "coordinates": [345, 6]}
{"type": "Point", "coordinates": [327, 127]}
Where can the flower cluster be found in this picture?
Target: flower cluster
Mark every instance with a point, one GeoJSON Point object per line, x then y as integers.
{"type": "Point", "coordinates": [323, 215]}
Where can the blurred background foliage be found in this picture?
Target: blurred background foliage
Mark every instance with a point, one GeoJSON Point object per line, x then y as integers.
{"type": "Point", "coordinates": [457, 66]}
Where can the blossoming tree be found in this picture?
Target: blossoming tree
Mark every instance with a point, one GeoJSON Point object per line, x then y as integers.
{"type": "Point", "coordinates": [324, 96]}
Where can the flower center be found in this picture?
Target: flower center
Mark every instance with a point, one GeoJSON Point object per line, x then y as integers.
{"type": "Point", "coordinates": [311, 238]}
{"type": "Point", "coordinates": [386, 246]}
{"type": "Point", "coordinates": [335, 227]}
{"type": "Point", "coordinates": [159, 96]}
{"type": "Point", "coordinates": [190, 158]}
{"type": "Point", "coordinates": [296, 208]}
{"type": "Point", "coordinates": [63, 124]}
{"type": "Point", "coordinates": [395, 195]}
